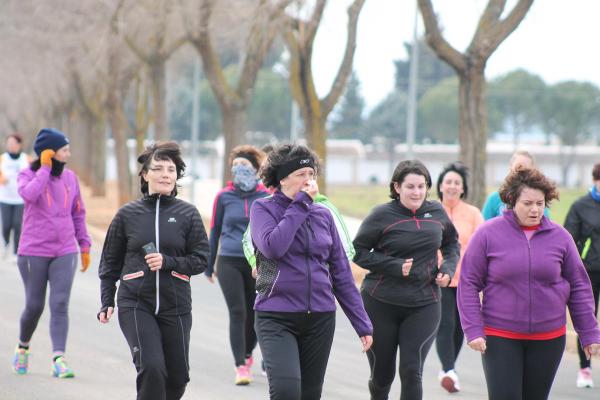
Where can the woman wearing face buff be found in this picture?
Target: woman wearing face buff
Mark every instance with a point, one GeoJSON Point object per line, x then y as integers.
{"type": "Point", "coordinates": [53, 229]}
{"type": "Point", "coordinates": [153, 247]}
{"type": "Point", "coordinates": [231, 212]}
{"type": "Point", "coordinates": [302, 270]}
{"type": "Point", "coordinates": [529, 271]}
{"type": "Point", "coordinates": [398, 243]}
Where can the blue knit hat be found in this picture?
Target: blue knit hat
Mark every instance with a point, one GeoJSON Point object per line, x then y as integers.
{"type": "Point", "coordinates": [49, 138]}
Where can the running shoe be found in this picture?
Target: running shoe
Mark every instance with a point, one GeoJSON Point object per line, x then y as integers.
{"type": "Point", "coordinates": [249, 363]}
{"type": "Point", "coordinates": [60, 369]}
{"type": "Point", "coordinates": [449, 381]}
{"type": "Point", "coordinates": [242, 375]}
{"type": "Point", "coordinates": [584, 378]}
{"type": "Point", "coordinates": [21, 361]}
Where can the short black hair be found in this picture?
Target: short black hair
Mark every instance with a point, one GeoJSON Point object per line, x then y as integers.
{"type": "Point", "coordinates": [281, 155]}
{"type": "Point", "coordinates": [408, 167]}
{"type": "Point", "coordinates": [161, 151]}
{"type": "Point", "coordinates": [461, 170]}
{"type": "Point", "coordinates": [596, 172]}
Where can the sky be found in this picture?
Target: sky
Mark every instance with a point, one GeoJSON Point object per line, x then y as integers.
{"type": "Point", "coordinates": [558, 40]}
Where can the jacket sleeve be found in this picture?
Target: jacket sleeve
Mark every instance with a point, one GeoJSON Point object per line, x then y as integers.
{"type": "Point", "coordinates": [573, 226]}
{"type": "Point", "coordinates": [31, 184]}
{"type": "Point", "coordinates": [490, 206]}
{"type": "Point", "coordinates": [344, 287]}
{"type": "Point", "coordinates": [248, 248]}
{"type": "Point", "coordinates": [473, 277]}
{"type": "Point", "coordinates": [581, 300]}
{"type": "Point", "coordinates": [450, 246]}
{"type": "Point", "coordinates": [78, 215]}
{"type": "Point", "coordinates": [367, 256]}
{"type": "Point", "coordinates": [273, 238]}
{"type": "Point", "coordinates": [111, 261]}
{"type": "Point", "coordinates": [216, 224]}
{"type": "Point", "coordinates": [340, 225]}
{"type": "Point", "coordinates": [196, 248]}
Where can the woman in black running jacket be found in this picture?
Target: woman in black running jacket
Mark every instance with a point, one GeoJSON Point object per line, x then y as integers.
{"type": "Point", "coordinates": [153, 246]}
{"type": "Point", "coordinates": [398, 243]}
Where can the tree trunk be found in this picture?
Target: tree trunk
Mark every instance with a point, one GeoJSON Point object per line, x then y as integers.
{"type": "Point", "coordinates": [234, 121]}
{"type": "Point", "coordinates": [116, 119]}
{"type": "Point", "coordinates": [159, 100]}
{"type": "Point", "coordinates": [473, 131]}
{"type": "Point", "coordinates": [316, 136]}
{"type": "Point", "coordinates": [97, 157]}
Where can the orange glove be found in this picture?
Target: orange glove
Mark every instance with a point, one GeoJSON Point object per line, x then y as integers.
{"type": "Point", "coordinates": [85, 260]}
{"type": "Point", "coordinates": [46, 157]}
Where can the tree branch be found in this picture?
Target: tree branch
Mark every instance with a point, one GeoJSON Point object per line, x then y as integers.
{"type": "Point", "coordinates": [145, 57]}
{"type": "Point", "coordinates": [510, 23]}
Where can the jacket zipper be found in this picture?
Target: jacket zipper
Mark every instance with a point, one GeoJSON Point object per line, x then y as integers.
{"type": "Point", "coordinates": [416, 220]}
{"type": "Point", "coordinates": [156, 233]}
{"type": "Point", "coordinates": [529, 281]}
{"type": "Point", "coordinates": [308, 263]}
{"type": "Point", "coordinates": [246, 207]}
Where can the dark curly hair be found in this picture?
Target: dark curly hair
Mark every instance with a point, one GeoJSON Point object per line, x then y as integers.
{"type": "Point", "coordinates": [461, 170]}
{"type": "Point", "coordinates": [281, 155]}
{"type": "Point", "coordinates": [251, 153]}
{"type": "Point", "coordinates": [408, 167]}
{"type": "Point", "coordinates": [526, 177]}
{"type": "Point", "coordinates": [161, 151]}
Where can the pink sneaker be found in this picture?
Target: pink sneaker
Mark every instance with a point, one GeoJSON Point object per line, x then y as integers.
{"type": "Point", "coordinates": [242, 376]}
{"type": "Point", "coordinates": [249, 363]}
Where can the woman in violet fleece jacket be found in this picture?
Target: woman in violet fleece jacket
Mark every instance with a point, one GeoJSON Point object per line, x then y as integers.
{"type": "Point", "coordinates": [529, 271]}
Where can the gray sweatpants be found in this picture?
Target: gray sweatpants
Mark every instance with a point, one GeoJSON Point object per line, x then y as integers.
{"type": "Point", "coordinates": [36, 273]}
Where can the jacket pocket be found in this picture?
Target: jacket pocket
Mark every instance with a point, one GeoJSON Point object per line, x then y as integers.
{"type": "Point", "coordinates": [183, 277]}
{"type": "Point", "coordinates": [133, 275]}
{"type": "Point", "coordinates": [267, 274]}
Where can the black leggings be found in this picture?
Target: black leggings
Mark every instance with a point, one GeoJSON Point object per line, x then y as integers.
{"type": "Point", "coordinates": [12, 218]}
{"type": "Point", "coordinates": [238, 286]}
{"type": "Point", "coordinates": [413, 330]}
{"type": "Point", "coordinates": [521, 369]}
{"type": "Point", "coordinates": [295, 347]}
{"type": "Point", "coordinates": [450, 335]}
{"type": "Point", "coordinates": [584, 362]}
{"type": "Point", "coordinates": [160, 347]}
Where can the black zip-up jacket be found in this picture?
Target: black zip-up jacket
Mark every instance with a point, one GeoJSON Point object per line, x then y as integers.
{"type": "Point", "coordinates": [176, 229]}
{"type": "Point", "coordinates": [392, 233]}
{"type": "Point", "coordinates": [583, 223]}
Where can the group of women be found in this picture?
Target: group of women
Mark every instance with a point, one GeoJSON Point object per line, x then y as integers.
{"type": "Point", "coordinates": [528, 269]}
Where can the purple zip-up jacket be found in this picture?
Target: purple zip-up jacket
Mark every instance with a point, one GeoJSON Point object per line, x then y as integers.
{"type": "Point", "coordinates": [526, 285]}
{"type": "Point", "coordinates": [302, 266]}
{"type": "Point", "coordinates": [54, 215]}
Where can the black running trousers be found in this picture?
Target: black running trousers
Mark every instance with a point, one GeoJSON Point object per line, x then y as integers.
{"type": "Point", "coordinates": [159, 345]}
{"type": "Point", "coordinates": [295, 347]}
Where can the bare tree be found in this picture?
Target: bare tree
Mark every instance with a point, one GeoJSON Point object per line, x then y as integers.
{"type": "Point", "coordinates": [299, 36]}
{"type": "Point", "coordinates": [492, 30]}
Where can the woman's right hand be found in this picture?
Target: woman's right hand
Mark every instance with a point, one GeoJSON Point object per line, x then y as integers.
{"type": "Point", "coordinates": [407, 266]}
{"type": "Point", "coordinates": [46, 157]}
{"type": "Point", "coordinates": [212, 277]}
{"type": "Point", "coordinates": [478, 345]}
{"type": "Point", "coordinates": [104, 317]}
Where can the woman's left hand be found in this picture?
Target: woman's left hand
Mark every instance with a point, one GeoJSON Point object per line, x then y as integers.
{"type": "Point", "coordinates": [367, 342]}
{"type": "Point", "coordinates": [442, 280]}
{"type": "Point", "coordinates": [154, 261]}
{"type": "Point", "coordinates": [591, 349]}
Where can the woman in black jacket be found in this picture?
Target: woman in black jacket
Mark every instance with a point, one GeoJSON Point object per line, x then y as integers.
{"type": "Point", "coordinates": [398, 242]}
{"type": "Point", "coordinates": [153, 246]}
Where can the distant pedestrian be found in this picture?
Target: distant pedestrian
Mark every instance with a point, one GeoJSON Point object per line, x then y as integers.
{"type": "Point", "coordinates": [398, 243]}
{"type": "Point", "coordinates": [53, 227]}
{"type": "Point", "coordinates": [528, 271]}
{"type": "Point", "coordinates": [152, 248]}
{"type": "Point", "coordinates": [583, 223]}
{"type": "Point", "coordinates": [452, 188]}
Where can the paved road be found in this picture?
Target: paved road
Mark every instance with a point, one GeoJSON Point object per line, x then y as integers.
{"type": "Point", "coordinates": [101, 360]}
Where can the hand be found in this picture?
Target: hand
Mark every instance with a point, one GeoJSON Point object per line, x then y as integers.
{"type": "Point", "coordinates": [104, 317]}
{"type": "Point", "coordinates": [442, 280]}
{"type": "Point", "coordinates": [254, 273]}
{"type": "Point", "coordinates": [478, 345]}
{"type": "Point", "coordinates": [591, 349]}
{"type": "Point", "coordinates": [311, 188]}
{"type": "Point", "coordinates": [407, 266]}
{"type": "Point", "coordinates": [154, 261]}
{"type": "Point", "coordinates": [46, 157]}
{"type": "Point", "coordinates": [367, 342]}
{"type": "Point", "coordinates": [212, 277]}
{"type": "Point", "coordinates": [85, 260]}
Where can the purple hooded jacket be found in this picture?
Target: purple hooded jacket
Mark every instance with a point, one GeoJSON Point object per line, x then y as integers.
{"type": "Point", "coordinates": [54, 215]}
{"type": "Point", "coordinates": [526, 285]}
{"type": "Point", "coordinates": [302, 266]}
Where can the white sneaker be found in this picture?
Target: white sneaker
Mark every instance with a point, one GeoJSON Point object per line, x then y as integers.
{"type": "Point", "coordinates": [449, 381]}
{"type": "Point", "coordinates": [584, 378]}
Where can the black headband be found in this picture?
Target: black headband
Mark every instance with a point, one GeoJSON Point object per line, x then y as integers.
{"type": "Point", "coordinates": [248, 157]}
{"type": "Point", "coordinates": [293, 165]}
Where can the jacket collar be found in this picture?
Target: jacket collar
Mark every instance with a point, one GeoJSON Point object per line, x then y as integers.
{"type": "Point", "coordinates": [408, 211]}
{"type": "Point", "coordinates": [259, 188]}
{"type": "Point", "coordinates": [152, 198]}
{"type": "Point", "coordinates": [510, 216]}
{"type": "Point", "coordinates": [281, 198]}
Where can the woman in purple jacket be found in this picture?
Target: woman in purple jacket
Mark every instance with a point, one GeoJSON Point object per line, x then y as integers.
{"type": "Point", "coordinates": [302, 270]}
{"type": "Point", "coordinates": [529, 271]}
{"type": "Point", "coordinates": [53, 227]}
